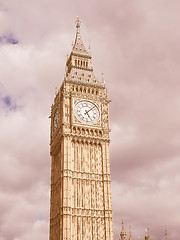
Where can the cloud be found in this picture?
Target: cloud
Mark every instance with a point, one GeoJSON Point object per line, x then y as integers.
{"type": "Point", "coordinates": [7, 102]}
{"type": "Point", "coordinates": [8, 39]}
{"type": "Point", "coordinates": [136, 45]}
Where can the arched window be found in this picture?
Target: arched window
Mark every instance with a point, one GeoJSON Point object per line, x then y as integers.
{"type": "Point", "coordinates": [74, 130]}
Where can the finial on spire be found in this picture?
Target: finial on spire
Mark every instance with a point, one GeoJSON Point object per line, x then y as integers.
{"type": "Point", "coordinates": [166, 236]}
{"type": "Point", "coordinates": [122, 217]}
{"type": "Point", "coordinates": [130, 236]}
{"type": "Point", "coordinates": [78, 24]}
{"type": "Point", "coordinates": [147, 237]}
{"type": "Point", "coordinates": [147, 231]}
{"type": "Point", "coordinates": [123, 232]}
{"type": "Point", "coordinates": [102, 77]}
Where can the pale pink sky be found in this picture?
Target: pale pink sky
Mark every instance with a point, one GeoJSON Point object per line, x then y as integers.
{"type": "Point", "coordinates": [136, 44]}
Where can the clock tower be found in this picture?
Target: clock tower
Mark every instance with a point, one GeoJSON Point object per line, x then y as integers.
{"type": "Point", "coordinates": [81, 207]}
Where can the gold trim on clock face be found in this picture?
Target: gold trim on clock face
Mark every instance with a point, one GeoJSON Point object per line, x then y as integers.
{"type": "Point", "coordinates": [86, 112]}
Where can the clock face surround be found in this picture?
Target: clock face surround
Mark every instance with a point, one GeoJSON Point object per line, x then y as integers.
{"type": "Point", "coordinates": [86, 112]}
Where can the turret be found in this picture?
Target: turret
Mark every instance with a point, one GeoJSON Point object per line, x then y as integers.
{"type": "Point", "coordinates": [147, 237]}
{"type": "Point", "coordinates": [123, 232]}
{"type": "Point", "coordinates": [166, 237]}
{"type": "Point", "coordinates": [130, 236]}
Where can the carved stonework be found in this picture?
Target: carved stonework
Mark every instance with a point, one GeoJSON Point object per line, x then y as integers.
{"type": "Point", "coordinates": [81, 207]}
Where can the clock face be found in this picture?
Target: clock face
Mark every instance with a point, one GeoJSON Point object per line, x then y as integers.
{"type": "Point", "coordinates": [86, 112]}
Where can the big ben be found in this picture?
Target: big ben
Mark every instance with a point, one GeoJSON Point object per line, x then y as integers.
{"type": "Point", "coordinates": [81, 207]}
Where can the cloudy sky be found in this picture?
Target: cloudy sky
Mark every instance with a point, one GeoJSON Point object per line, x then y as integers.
{"type": "Point", "coordinates": [136, 44]}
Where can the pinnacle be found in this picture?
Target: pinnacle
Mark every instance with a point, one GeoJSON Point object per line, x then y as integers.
{"type": "Point", "coordinates": [78, 46]}
{"type": "Point", "coordinates": [123, 232]}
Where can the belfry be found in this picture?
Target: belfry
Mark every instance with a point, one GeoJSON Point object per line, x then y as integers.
{"type": "Point", "coordinates": [81, 207]}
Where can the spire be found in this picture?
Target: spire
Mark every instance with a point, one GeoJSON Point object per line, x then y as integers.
{"type": "Point", "coordinates": [166, 236]}
{"type": "Point", "coordinates": [147, 237]}
{"type": "Point", "coordinates": [130, 236]}
{"type": "Point", "coordinates": [123, 232]}
{"type": "Point", "coordinates": [79, 66]}
{"type": "Point", "coordinates": [78, 23]}
{"type": "Point", "coordinates": [122, 223]}
{"type": "Point", "coordinates": [78, 46]}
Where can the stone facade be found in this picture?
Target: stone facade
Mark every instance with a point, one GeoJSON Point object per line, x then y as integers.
{"type": "Point", "coordinates": [81, 207]}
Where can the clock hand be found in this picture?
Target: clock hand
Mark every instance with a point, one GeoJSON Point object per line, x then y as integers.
{"type": "Point", "coordinates": [89, 110]}
{"type": "Point", "coordinates": [86, 112]}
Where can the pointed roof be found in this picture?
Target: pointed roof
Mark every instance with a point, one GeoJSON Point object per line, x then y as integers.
{"type": "Point", "coordinates": [130, 236]}
{"type": "Point", "coordinates": [123, 232]}
{"type": "Point", "coordinates": [79, 68]}
{"type": "Point", "coordinates": [78, 46]}
{"type": "Point", "coordinates": [166, 236]}
{"type": "Point", "coordinates": [147, 237]}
